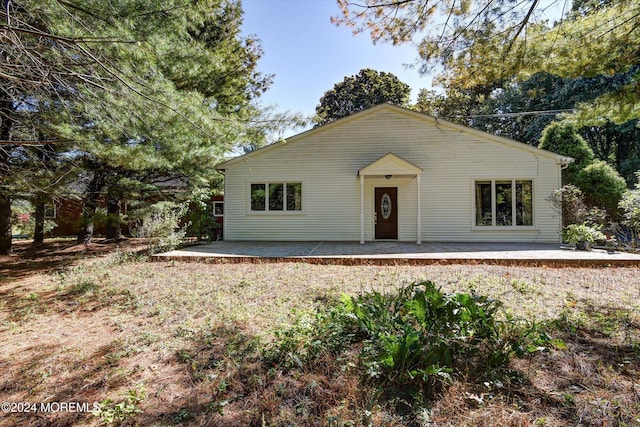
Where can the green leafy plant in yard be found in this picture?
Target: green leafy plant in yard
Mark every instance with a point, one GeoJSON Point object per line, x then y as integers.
{"type": "Point", "coordinates": [330, 330]}
{"type": "Point", "coordinates": [411, 343]}
{"type": "Point", "coordinates": [183, 415]}
{"type": "Point", "coordinates": [111, 413]}
{"type": "Point", "coordinates": [421, 335]}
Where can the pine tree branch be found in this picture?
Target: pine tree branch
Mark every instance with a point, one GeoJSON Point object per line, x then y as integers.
{"type": "Point", "coordinates": [70, 41]}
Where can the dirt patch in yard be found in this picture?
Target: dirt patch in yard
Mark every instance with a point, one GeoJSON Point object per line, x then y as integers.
{"type": "Point", "coordinates": [27, 259]}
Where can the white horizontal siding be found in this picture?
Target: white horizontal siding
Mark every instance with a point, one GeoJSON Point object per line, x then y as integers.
{"type": "Point", "coordinates": [327, 163]}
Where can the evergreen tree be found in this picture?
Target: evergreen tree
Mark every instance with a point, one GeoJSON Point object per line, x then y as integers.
{"type": "Point", "coordinates": [484, 44]}
{"type": "Point", "coordinates": [602, 186]}
{"type": "Point", "coordinates": [143, 89]}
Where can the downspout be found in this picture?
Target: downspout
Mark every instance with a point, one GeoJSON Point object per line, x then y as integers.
{"type": "Point", "coordinates": [564, 163]}
{"type": "Point", "coordinates": [224, 189]}
{"type": "Point", "coordinates": [419, 215]}
{"type": "Point", "coordinates": [362, 209]}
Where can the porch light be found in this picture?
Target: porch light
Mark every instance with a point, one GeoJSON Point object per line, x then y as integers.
{"type": "Point", "coordinates": [388, 176]}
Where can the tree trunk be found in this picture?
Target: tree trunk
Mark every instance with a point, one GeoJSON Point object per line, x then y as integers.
{"type": "Point", "coordinates": [88, 213]}
{"type": "Point", "coordinates": [113, 218]}
{"type": "Point", "coordinates": [5, 208]}
{"type": "Point", "coordinates": [38, 232]}
{"type": "Point", "coordinates": [46, 154]}
{"type": "Point", "coordinates": [6, 125]}
{"type": "Point", "coordinates": [5, 225]}
{"type": "Point", "coordinates": [89, 209]}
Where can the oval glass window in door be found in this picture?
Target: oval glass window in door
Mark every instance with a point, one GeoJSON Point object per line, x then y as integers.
{"type": "Point", "coordinates": [385, 206]}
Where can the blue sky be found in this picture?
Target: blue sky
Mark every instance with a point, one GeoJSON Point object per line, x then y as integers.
{"type": "Point", "coordinates": [308, 54]}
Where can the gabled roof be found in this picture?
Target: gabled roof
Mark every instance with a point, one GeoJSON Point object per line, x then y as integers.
{"type": "Point", "coordinates": [443, 124]}
{"type": "Point", "coordinates": [390, 164]}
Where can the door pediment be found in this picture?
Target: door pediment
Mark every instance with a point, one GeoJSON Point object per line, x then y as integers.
{"type": "Point", "coordinates": [390, 164]}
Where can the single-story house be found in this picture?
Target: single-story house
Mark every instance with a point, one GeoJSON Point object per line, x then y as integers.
{"type": "Point", "coordinates": [388, 173]}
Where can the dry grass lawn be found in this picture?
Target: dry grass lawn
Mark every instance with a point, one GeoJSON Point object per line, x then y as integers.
{"type": "Point", "coordinates": [179, 344]}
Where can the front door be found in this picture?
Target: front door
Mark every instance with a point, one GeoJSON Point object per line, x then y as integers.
{"type": "Point", "coordinates": [386, 213]}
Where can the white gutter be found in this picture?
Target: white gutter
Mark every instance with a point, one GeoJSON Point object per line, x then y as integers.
{"type": "Point", "coordinates": [564, 162]}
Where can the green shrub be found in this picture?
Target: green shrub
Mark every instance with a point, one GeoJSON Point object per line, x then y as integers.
{"type": "Point", "coordinates": [630, 207]}
{"type": "Point", "coordinates": [21, 206]}
{"type": "Point", "coordinates": [412, 342]}
{"type": "Point", "coordinates": [563, 138]}
{"type": "Point", "coordinates": [160, 224]}
{"type": "Point", "coordinates": [602, 186]}
{"type": "Point", "coordinates": [570, 203]}
{"type": "Point", "coordinates": [28, 228]}
{"type": "Point", "coordinates": [577, 233]}
{"type": "Point", "coordinates": [200, 216]}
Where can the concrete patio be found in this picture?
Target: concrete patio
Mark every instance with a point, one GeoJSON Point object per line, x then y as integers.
{"type": "Point", "coordinates": [398, 253]}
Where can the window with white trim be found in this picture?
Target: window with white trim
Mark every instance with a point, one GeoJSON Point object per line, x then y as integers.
{"type": "Point", "coordinates": [276, 197]}
{"type": "Point", "coordinates": [50, 211]}
{"type": "Point", "coordinates": [504, 203]}
{"type": "Point", "coordinates": [218, 208]}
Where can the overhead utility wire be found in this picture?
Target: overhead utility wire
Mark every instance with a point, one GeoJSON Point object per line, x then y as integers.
{"type": "Point", "coordinates": [521, 113]}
